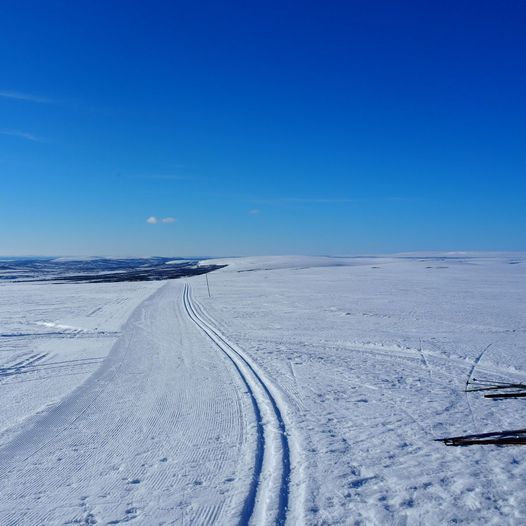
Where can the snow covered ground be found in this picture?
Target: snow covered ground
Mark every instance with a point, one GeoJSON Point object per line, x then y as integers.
{"type": "Point", "coordinates": [305, 391]}
{"type": "Point", "coordinates": [52, 338]}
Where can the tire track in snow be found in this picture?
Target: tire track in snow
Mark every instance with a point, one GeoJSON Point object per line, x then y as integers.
{"type": "Point", "coordinates": [263, 401]}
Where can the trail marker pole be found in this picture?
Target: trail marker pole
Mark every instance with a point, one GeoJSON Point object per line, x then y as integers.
{"type": "Point", "coordinates": [207, 285]}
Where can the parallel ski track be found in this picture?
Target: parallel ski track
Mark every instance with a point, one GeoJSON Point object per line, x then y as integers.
{"type": "Point", "coordinates": [251, 380]}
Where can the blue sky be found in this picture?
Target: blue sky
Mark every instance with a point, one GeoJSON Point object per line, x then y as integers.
{"type": "Point", "coordinates": [262, 127]}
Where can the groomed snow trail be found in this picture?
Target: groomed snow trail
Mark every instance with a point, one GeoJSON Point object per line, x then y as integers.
{"type": "Point", "coordinates": [269, 490]}
{"type": "Point", "coordinates": [167, 431]}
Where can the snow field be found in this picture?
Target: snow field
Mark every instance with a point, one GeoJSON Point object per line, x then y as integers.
{"type": "Point", "coordinates": [373, 360]}
{"type": "Point", "coordinates": [304, 391]}
{"type": "Point", "coordinates": [157, 434]}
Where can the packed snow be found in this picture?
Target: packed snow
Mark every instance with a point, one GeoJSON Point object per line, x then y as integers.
{"type": "Point", "coordinates": [300, 391]}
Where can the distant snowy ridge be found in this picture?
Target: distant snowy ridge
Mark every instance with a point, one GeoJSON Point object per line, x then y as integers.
{"type": "Point", "coordinates": [245, 264]}
{"type": "Point", "coordinates": [253, 263]}
{"type": "Point", "coordinates": [180, 261]}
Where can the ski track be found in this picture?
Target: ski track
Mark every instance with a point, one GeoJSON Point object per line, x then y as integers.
{"type": "Point", "coordinates": [475, 364]}
{"type": "Point", "coordinates": [161, 433]}
{"type": "Point", "coordinates": [261, 397]}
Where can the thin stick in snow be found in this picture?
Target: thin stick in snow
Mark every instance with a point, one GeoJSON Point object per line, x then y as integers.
{"type": "Point", "coordinates": [207, 285]}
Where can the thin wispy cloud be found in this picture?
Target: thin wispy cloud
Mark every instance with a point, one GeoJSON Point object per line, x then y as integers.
{"type": "Point", "coordinates": [176, 166]}
{"type": "Point", "coordinates": [22, 135]}
{"type": "Point", "coordinates": [254, 211]}
{"type": "Point", "coordinates": [306, 200]}
{"type": "Point", "coordinates": [154, 220]}
{"type": "Point", "coordinates": [28, 97]}
{"type": "Point", "coordinates": [163, 177]}
{"type": "Point", "coordinates": [168, 177]}
{"type": "Point", "coordinates": [279, 201]}
{"type": "Point", "coordinates": [318, 200]}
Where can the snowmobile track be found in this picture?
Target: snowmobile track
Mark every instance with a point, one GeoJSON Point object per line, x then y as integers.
{"type": "Point", "coordinates": [262, 399]}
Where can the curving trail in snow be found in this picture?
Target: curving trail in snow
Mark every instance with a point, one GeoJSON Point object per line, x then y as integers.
{"type": "Point", "coordinates": [267, 496]}
{"type": "Point", "coordinates": [167, 431]}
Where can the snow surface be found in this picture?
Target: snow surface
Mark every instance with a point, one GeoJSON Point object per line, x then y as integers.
{"type": "Point", "coordinates": [305, 390]}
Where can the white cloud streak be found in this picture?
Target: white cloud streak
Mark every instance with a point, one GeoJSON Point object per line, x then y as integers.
{"type": "Point", "coordinates": [154, 220]}
{"type": "Point", "coordinates": [305, 200]}
{"type": "Point", "coordinates": [166, 177]}
{"type": "Point", "coordinates": [16, 95]}
{"type": "Point", "coordinates": [21, 135]}
{"type": "Point", "coordinates": [319, 200]}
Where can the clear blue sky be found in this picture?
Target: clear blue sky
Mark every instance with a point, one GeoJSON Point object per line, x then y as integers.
{"type": "Point", "coordinates": [262, 127]}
